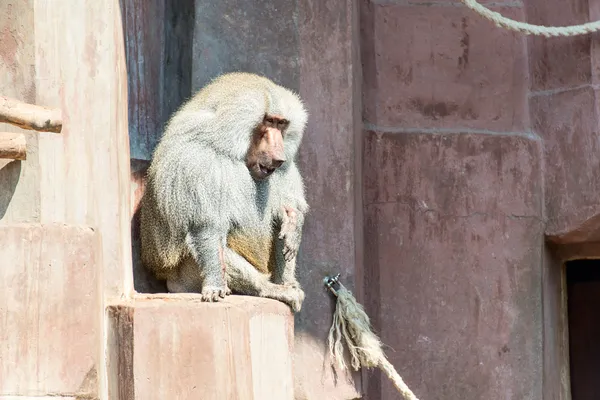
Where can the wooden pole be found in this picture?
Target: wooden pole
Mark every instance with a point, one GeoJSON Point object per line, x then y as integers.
{"type": "Point", "coordinates": [13, 146]}
{"type": "Point", "coordinates": [29, 116]}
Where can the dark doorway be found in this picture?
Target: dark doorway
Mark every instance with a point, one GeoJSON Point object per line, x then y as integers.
{"type": "Point", "coordinates": [583, 290]}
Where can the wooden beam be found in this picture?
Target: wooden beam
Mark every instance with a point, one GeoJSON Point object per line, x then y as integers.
{"type": "Point", "coordinates": [13, 146]}
{"type": "Point", "coordinates": [29, 116]}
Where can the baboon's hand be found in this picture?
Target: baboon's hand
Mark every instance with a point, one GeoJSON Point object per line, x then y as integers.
{"type": "Point", "coordinates": [289, 233]}
{"type": "Point", "coordinates": [214, 293]}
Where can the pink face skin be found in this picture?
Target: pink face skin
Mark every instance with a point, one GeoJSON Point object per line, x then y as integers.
{"type": "Point", "coordinates": [266, 153]}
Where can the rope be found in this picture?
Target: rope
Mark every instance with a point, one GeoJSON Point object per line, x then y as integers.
{"type": "Point", "coordinates": [528, 29]}
{"type": "Point", "coordinates": [351, 324]}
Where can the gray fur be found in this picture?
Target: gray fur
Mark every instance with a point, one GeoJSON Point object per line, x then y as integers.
{"type": "Point", "coordinates": [199, 189]}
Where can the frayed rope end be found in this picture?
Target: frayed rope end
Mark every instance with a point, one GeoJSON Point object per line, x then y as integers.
{"type": "Point", "coordinates": [351, 324]}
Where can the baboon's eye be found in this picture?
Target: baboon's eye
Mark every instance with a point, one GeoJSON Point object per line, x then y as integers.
{"type": "Point", "coordinates": [282, 124]}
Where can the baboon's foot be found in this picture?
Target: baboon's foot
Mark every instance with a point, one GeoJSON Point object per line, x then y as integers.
{"type": "Point", "coordinates": [292, 296]}
{"type": "Point", "coordinates": [227, 290]}
{"type": "Point", "coordinates": [214, 293]}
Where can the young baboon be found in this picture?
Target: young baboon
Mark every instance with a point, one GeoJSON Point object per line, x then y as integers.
{"type": "Point", "coordinates": [224, 204]}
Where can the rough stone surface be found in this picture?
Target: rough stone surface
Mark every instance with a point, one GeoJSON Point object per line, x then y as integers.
{"type": "Point", "coordinates": [84, 171]}
{"type": "Point", "coordinates": [442, 67]}
{"type": "Point", "coordinates": [564, 108]}
{"type": "Point", "coordinates": [453, 263]}
{"type": "Point", "coordinates": [568, 123]}
{"type": "Point", "coordinates": [164, 347]}
{"type": "Point", "coordinates": [50, 313]}
{"type": "Point", "coordinates": [559, 63]}
{"type": "Point", "coordinates": [332, 241]}
{"type": "Point", "coordinates": [254, 36]}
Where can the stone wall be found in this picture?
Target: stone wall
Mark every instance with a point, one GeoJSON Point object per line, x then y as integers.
{"type": "Point", "coordinates": [480, 145]}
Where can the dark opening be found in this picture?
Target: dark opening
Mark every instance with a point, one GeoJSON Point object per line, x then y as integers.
{"type": "Point", "coordinates": [583, 291]}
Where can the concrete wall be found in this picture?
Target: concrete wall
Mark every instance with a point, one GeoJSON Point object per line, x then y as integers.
{"type": "Point", "coordinates": [453, 202]}
{"type": "Point", "coordinates": [564, 103]}
{"type": "Point", "coordinates": [479, 144]}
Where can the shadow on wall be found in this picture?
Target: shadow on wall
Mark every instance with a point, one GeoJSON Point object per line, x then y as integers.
{"type": "Point", "coordinates": [143, 280]}
{"type": "Point", "coordinates": [10, 172]}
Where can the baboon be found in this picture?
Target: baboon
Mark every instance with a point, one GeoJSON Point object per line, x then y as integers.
{"type": "Point", "coordinates": [224, 204]}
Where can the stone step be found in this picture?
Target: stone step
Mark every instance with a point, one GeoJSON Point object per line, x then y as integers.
{"type": "Point", "coordinates": [177, 347]}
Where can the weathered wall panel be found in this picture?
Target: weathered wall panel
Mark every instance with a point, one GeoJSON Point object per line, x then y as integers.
{"type": "Point", "coordinates": [453, 202]}
{"type": "Point", "coordinates": [80, 68]}
{"type": "Point", "coordinates": [443, 66]}
{"type": "Point", "coordinates": [258, 36]}
{"type": "Point", "coordinates": [328, 68]}
{"type": "Point", "coordinates": [143, 23]}
{"type": "Point", "coordinates": [568, 121]}
{"type": "Point", "coordinates": [453, 232]}
{"type": "Point", "coordinates": [566, 110]}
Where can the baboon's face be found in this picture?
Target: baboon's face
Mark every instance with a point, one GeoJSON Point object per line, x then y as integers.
{"type": "Point", "coordinates": [266, 153]}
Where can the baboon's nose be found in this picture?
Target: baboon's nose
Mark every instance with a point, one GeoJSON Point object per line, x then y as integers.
{"type": "Point", "coordinates": [276, 162]}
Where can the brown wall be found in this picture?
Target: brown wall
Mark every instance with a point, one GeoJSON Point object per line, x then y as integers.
{"type": "Point", "coordinates": [453, 202]}
{"type": "Point", "coordinates": [460, 189]}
